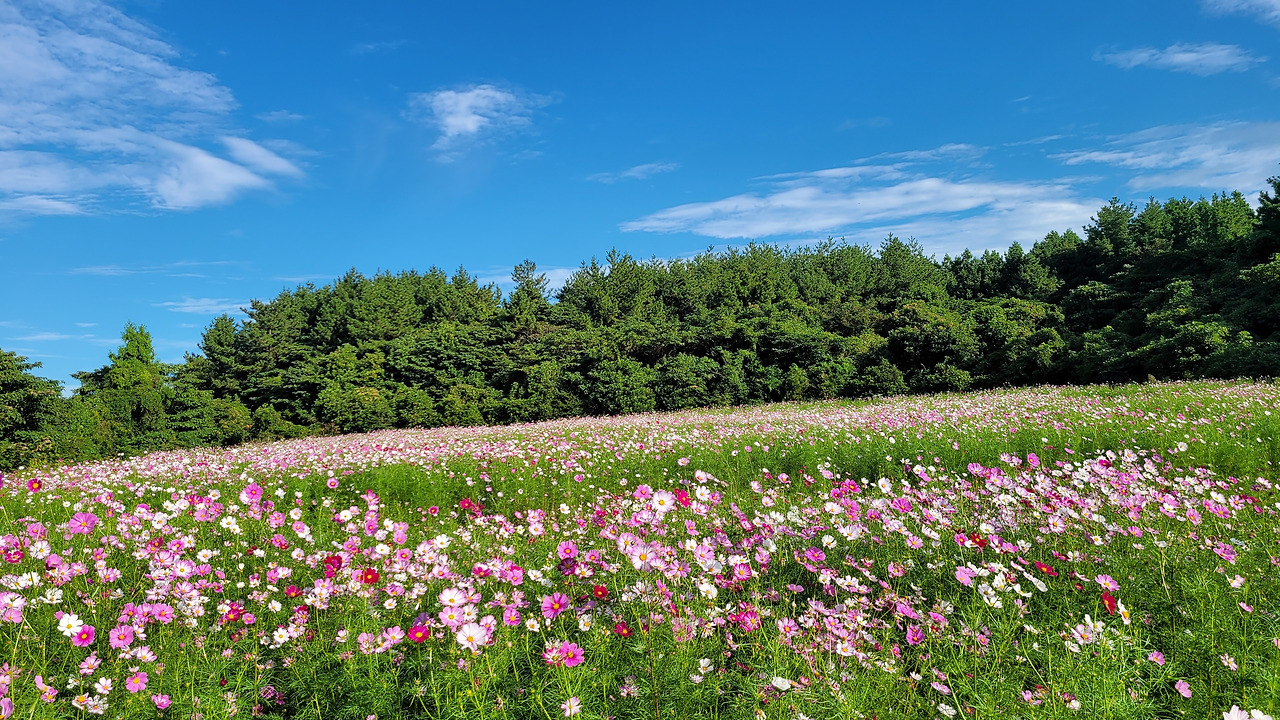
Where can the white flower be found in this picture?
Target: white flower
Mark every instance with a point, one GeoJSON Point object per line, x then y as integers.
{"type": "Point", "coordinates": [707, 590]}
{"type": "Point", "coordinates": [70, 624]}
{"type": "Point", "coordinates": [781, 683]}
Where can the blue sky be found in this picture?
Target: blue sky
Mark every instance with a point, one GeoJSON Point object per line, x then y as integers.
{"type": "Point", "coordinates": [162, 162]}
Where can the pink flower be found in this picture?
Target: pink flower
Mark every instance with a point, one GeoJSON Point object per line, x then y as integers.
{"type": "Point", "coordinates": [84, 638]}
{"type": "Point", "coordinates": [567, 549]}
{"type": "Point", "coordinates": [47, 692]}
{"type": "Point", "coordinates": [1183, 688]}
{"type": "Point", "coordinates": [572, 654]}
{"type": "Point", "coordinates": [571, 707]}
{"type": "Point", "coordinates": [511, 616]}
{"type": "Point", "coordinates": [121, 637]}
{"type": "Point", "coordinates": [161, 701]}
{"type": "Point", "coordinates": [1107, 582]}
{"type": "Point", "coordinates": [563, 654]}
{"type": "Point", "coordinates": [136, 682]}
{"type": "Point", "coordinates": [554, 604]}
{"type": "Point", "coordinates": [915, 635]}
{"type": "Point", "coordinates": [82, 523]}
{"type": "Point", "coordinates": [1156, 657]}
{"type": "Point", "coordinates": [251, 494]}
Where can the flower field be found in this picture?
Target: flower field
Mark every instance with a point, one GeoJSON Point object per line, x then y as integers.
{"type": "Point", "coordinates": [1105, 552]}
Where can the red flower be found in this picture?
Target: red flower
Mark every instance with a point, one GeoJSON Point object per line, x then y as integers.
{"type": "Point", "coordinates": [1046, 569]}
{"type": "Point", "coordinates": [978, 540]}
{"type": "Point", "coordinates": [622, 630]}
{"type": "Point", "coordinates": [369, 576]}
{"type": "Point", "coordinates": [600, 592]}
{"type": "Point", "coordinates": [1109, 601]}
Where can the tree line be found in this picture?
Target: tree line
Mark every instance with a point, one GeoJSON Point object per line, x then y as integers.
{"type": "Point", "coordinates": [1177, 289]}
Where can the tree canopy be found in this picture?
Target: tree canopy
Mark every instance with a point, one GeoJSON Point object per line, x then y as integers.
{"type": "Point", "coordinates": [1176, 289]}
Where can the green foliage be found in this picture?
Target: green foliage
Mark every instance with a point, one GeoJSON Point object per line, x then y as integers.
{"type": "Point", "coordinates": [1177, 289]}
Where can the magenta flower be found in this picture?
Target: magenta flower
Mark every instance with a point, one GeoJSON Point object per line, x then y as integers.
{"type": "Point", "coordinates": [915, 635]}
{"type": "Point", "coordinates": [84, 638]}
{"type": "Point", "coordinates": [251, 494]}
{"type": "Point", "coordinates": [82, 523]}
{"type": "Point", "coordinates": [137, 682]}
{"type": "Point", "coordinates": [567, 549]}
{"type": "Point", "coordinates": [554, 604]}
{"type": "Point", "coordinates": [121, 637]}
{"type": "Point", "coordinates": [511, 616]}
{"type": "Point", "coordinates": [571, 655]}
{"type": "Point", "coordinates": [563, 654]}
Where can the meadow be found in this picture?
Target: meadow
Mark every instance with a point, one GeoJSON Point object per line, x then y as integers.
{"type": "Point", "coordinates": [1052, 552]}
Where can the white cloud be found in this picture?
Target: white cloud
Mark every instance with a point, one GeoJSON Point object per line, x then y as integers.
{"type": "Point", "coordinates": [280, 116]}
{"type": "Point", "coordinates": [1199, 59]}
{"type": "Point", "coordinates": [205, 306]}
{"type": "Point", "coordinates": [639, 172]}
{"type": "Point", "coordinates": [248, 152]}
{"type": "Point", "coordinates": [372, 48]}
{"type": "Point", "coordinates": [867, 202]}
{"type": "Point", "coordinates": [192, 177]}
{"type": "Point", "coordinates": [173, 269]}
{"type": "Point", "coordinates": [950, 151]}
{"type": "Point", "coordinates": [95, 106]}
{"type": "Point", "coordinates": [39, 205]}
{"type": "Point", "coordinates": [556, 277]}
{"type": "Point", "coordinates": [50, 337]}
{"type": "Point", "coordinates": [1223, 156]}
{"type": "Point", "coordinates": [1265, 10]}
{"type": "Point", "coordinates": [476, 113]}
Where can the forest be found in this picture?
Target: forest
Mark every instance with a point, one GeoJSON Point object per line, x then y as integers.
{"type": "Point", "coordinates": [1176, 289]}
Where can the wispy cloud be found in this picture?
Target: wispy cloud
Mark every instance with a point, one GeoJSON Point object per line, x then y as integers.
{"type": "Point", "coordinates": [307, 278]}
{"type": "Point", "coordinates": [181, 268]}
{"type": "Point", "coordinates": [250, 153]}
{"type": "Point", "coordinates": [95, 107]}
{"type": "Point", "coordinates": [280, 116]}
{"type": "Point", "coordinates": [49, 337]}
{"type": "Point", "coordinates": [1198, 59]}
{"type": "Point", "coordinates": [556, 277]}
{"type": "Point", "coordinates": [639, 172]}
{"type": "Point", "coordinates": [950, 151]}
{"type": "Point", "coordinates": [476, 113]}
{"type": "Point", "coordinates": [1265, 10]}
{"type": "Point", "coordinates": [376, 48]}
{"type": "Point", "coordinates": [866, 202]}
{"type": "Point", "coordinates": [205, 306]}
{"type": "Point", "coordinates": [1222, 156]}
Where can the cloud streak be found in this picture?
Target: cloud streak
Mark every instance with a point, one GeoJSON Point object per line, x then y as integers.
{"type": "Point", "coordinates": [205, 306]}
{"type": "Point", "coordinates": [1202, 59]}
{"type": "Point", "coordinates": [1267, 11]}
{"type": "Point", "coordinates": [473, 114]}
{"type": "Point", "coordinates": [639, 172]}
{"type": "Point", "coordinates": [173, 269]}
{"type": "Point", "coordinates": [1222, 156]}
{"type": "Point", "coordinates": [867, 202]}
{"type": "Point", "coordinates": [95, 107]}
